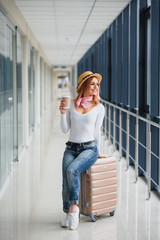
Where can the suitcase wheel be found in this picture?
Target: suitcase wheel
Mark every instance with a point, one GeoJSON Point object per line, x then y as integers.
{"type": "Point", "coordinates": [93, 217]}
{"type": "Point", "coordinates": [112, 213]}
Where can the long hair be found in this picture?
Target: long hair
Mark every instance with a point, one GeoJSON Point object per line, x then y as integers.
{"type": "Point", "coordinates": [83, 89]}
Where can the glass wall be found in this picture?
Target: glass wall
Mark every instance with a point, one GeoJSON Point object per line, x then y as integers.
{"type": "Point", "coordinates": [6, 99]}
{"type": "Point", "coordinates": [44, 84]}
{"type": "Point", "coordinates": [133, 79]}
{"type": "Point", "coordinates": [31, 88]}
{"type": "Point", "coordinates": [19, 90]}
{"type": "Point", "coordinates": [41, 85]}
{"type": "Point", "coordinates": [11, 99]}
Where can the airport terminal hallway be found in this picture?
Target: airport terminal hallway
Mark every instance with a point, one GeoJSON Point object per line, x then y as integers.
{"type": "Point", "coordinates": [31, 208]}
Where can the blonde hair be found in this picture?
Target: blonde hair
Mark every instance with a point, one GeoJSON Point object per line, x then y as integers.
{"type": "Point", "coordinates": [83, 89]}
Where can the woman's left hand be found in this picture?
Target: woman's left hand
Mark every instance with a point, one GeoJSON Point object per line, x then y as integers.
{"type": "Point", "coordinates": [103, 156]}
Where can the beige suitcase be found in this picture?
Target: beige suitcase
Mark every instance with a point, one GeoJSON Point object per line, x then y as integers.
{"type": "Point", "coordinates": [98, 189]}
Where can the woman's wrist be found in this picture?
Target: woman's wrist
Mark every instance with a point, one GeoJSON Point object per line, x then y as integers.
{"type": "Point", "coordinates": [63, 113]}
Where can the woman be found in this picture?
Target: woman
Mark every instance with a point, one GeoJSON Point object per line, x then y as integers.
{"type": "Point", "coordinates": [84, 119]}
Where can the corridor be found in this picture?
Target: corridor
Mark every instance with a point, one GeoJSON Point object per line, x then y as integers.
{"type": "Point", "coordinates": [44, 47]}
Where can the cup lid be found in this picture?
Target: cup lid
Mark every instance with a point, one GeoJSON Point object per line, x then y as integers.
{"type": "Point", "coordinates": [67, 96]}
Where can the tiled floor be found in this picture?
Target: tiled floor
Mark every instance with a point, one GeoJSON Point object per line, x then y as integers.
{"type": "Point", "coordinates": [31, 208]}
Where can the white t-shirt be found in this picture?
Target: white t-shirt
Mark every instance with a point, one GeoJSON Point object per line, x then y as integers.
{"type": "Point", "coordinates": [83, 127]}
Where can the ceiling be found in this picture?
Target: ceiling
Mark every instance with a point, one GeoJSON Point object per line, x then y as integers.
{"type": "Point", "coordinates": [66, 29]}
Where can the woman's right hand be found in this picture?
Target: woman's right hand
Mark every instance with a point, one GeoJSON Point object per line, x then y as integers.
{"type": "Point", "coordinates": [61, 107]}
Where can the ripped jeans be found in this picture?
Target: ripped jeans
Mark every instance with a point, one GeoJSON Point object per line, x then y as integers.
{"type": "Point", "coordinates": [76, 159]}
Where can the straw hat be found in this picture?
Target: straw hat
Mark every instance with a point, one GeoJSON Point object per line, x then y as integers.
{"type": "Point", "coordinates": [84, 76]}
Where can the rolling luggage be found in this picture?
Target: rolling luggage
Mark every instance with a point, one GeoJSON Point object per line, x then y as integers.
{"type": "Point", "coordinates": [98, 189]}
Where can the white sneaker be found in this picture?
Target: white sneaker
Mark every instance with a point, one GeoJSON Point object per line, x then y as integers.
{"type": "Point", "coordinates": [74, 219]}
{"type": "Point", "coordinates": [65, 222]}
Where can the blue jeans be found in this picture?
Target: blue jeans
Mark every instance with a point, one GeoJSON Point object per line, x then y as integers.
{"type": "Point", "coordinates": [75, 161]}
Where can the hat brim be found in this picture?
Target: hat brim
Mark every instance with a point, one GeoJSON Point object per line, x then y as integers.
{"type": "Point", "coordinates": [97, 75]}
